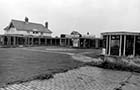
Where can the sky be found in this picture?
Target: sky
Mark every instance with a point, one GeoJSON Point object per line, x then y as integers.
{"type": "Point", "coordinates": [64, 16]}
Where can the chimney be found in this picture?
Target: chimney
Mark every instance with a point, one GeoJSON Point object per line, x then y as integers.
{"type": "Point", "coordinates": [46, 24]}
{"type": "Point", "coordinates": [26, 19]}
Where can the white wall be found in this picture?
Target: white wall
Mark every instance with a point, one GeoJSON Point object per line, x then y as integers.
{"type": "Point", "coordinates": [14, 31]}
{"type": "Point", "coordinates": [46, 34]}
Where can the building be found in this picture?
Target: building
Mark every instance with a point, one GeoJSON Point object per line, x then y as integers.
{"type": "Point", "coordinates": [77, 40]}
{"type": "Point", "coordinates": [27, 33]}
{"type": "Point", "coordinates": [17, 27]}
{"type": "Point", "coordinates": [121, 43]}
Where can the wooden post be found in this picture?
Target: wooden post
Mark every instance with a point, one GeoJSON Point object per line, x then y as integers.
{"type": "Point", "coordinates": [134, 45]}
{"type": "Point", "coordinates": [45, 41]}
{"type": "Point", "coordinates": [124, 47]}
{"type": "Point", "coordinates": [17, 40]}
{"type": "Point", "coordinates": [32, 41]}
{"type": "Point", "coordinates": [109, 44]}
{"type": "Point", "coordinates": [106, 45]}
{"type": "Point", "coordinates": [28, 41]}
{"type": "Point", "coordinates": [39, 40]}
{"type": "Point", "coordinates": [51, 42]}
{"type": "Point", "coordinates": [25, 41]}
{"type": "Point", "coordinates": [3, 40]}
{"type": "Point", "coordinates": [65, 42]}
{"type": "Point", "coordinates": [84, 43]}
{"type": "Point", "coordinates": [68, 42]}
{"type": "Point", "coordinates": [55, 41]}
{"type": "Point", "coordinates": [120, 45]}
{"type": "Point", "coordinates": [9, 41]}
{"type": "Point", "coordinates": [60, 43]}
{"type": "Point", "coordinates": [14, 41]}
{"type": "Point", "coordinates": [89, 43]}
{"type": "Point", "coordinates": [96, 43]}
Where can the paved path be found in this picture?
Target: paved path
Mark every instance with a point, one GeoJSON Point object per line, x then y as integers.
{"type": "Point", "coordinates": [84, 78]}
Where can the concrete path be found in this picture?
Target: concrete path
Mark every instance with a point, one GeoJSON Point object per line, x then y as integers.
{"type": "Point", "coordinates": [84, 78]}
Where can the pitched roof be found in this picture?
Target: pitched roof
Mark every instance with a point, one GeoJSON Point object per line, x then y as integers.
{"type": "Point", "coordinates": [28, 26]}
{"type": "Point", "coordinates": [75, 33]}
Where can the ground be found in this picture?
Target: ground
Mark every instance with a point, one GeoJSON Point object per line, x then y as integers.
{"type": "Point", "coordinates": [24, 63]}
{"type": "Point", "coordinates": [18, 64]}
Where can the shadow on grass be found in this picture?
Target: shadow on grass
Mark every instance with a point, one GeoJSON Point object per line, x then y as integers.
{"type": "Point", "coordinates": [45, 76]}
{"type": "Point", "coordinates": [38, 77]}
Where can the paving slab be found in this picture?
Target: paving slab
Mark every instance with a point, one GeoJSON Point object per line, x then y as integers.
{"type": "Point", "coordinates": [83, 78]}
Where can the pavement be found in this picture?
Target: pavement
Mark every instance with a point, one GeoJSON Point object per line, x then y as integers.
{"type": "Point", "coordinates": [83, 78]}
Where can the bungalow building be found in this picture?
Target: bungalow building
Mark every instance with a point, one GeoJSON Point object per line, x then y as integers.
{"type": "Point", "coordinates": [121, 43]}
{"type": "Point", "coordinates": [77, 40]}
{"type": "Point", "coordinates": [27, 28]}
{"type": "Point", "coordinates": [26, 33]}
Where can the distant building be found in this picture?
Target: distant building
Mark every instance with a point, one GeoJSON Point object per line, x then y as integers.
{"type": "Point", "coordinates": [18, 27]}
{"type": "Point", "coordinates": [75, 39]}
{"type": "Point", "coordinates": [27, 33]}
{"type": "Point", "coordinates": [122, 43]}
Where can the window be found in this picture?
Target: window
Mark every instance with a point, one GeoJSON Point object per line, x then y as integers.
{"type": "Point", "coordinates": [28, 31]}
{"type": "Point", "coordinates": [35, 32]}
{"type": "Point", "coordinates": [115, 41]}
{"type": "Point", "coordinates": [41, 33]}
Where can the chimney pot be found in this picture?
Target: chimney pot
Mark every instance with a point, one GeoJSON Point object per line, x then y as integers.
{"type": "Point", "coordinates": [46, 24]}
{"type": "Point", "coordinates": [26, 19]}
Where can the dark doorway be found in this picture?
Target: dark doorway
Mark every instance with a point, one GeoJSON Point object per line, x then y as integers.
{"type": "Point", "coordinates": [137, 51]}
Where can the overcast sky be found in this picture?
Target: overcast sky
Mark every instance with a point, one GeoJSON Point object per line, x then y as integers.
{"type": "Point", "coordinates": [64, 16]}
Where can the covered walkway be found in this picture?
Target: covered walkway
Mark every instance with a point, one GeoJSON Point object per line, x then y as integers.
{"type": "Point", "coordinates": [122, 43]}
{"type": "Point", "coordinates": [20, 40]}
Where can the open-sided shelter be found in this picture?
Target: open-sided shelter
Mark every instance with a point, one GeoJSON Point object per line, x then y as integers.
{"type": "Point", "coordinates": [122, 43]}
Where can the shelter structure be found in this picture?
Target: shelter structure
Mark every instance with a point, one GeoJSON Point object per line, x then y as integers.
{"type": "Point", "coordinates": [25, 33]}
{"type": "Point", "coordinates": [121, 43]}
{"type": "Point", "coordinates": [77, 40]}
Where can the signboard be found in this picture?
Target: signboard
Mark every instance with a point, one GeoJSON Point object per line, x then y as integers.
{"type": "Point", "coordinates": [75, 42]}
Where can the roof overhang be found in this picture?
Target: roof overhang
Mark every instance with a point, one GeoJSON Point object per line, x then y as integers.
{"type": "Point", "coordinates": [120, 33]}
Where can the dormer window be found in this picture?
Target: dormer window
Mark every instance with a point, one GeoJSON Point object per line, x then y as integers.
{"type": "Point", "coordinates": [28, 31]}
{"type": "Point", "coordinates": [35, 32]}
{"type": "Point", "coordinates": [11, 25]}
{"type": "Point", "coordinates": [41, 33]}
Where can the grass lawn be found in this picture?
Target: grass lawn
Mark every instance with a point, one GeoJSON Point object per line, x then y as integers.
{"type": "Point", "coordinates": [20, 65]}
{"type": "Point", "coordinates": [91, 52]}
{"type": "Point", "coordinates": [94, 54]}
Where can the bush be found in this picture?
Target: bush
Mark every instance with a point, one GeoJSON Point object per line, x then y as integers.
{"type": "Point", "coordinates": [120, 63]}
